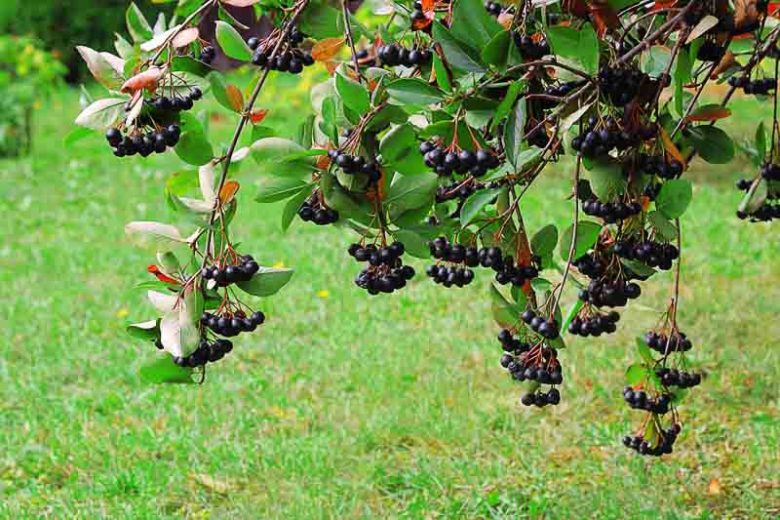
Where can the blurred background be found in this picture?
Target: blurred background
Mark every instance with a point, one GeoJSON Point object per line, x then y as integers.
{"type": "Point", "coordinates": [343, 405]}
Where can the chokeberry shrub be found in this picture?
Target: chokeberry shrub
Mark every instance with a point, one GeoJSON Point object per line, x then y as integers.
{"type": "Point", "coordinates": [430, 126]}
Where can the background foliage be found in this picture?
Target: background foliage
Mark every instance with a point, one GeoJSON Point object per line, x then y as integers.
{"type": "Point", "coordinates": [61, 24]}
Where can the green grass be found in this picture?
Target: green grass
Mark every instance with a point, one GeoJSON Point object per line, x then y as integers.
{"type": "Point", "coordinates": [350, 406]}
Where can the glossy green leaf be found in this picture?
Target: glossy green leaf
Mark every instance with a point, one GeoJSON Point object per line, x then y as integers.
{"type": "Point", "coordinates": [267, 281]}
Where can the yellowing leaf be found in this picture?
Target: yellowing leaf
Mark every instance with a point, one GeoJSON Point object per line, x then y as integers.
{"type": "Point", "coordinates": [709, 113]}
{"type": "Point", "coordinates": [326, 49]}
{"type": "Point", "coordinates": [671, 148]}
{"type": "Point", "coordinates": [228, 191]}
{"type": "Point", "coordinates": [145, 80]}
{"type": "Point", "coordinates": [235, 98]}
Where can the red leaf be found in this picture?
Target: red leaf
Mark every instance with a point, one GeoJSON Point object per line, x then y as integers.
{"type": "Point", "coordinates": [258, 115]}
{"type": "Point", "coordinates": [160, 275]}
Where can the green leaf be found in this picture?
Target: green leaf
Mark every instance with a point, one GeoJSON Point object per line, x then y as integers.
{"type": "Point", "coordinates": [458, 55]}
{"type": "Point", "coordinates": [505, 107]}
{"type": "Point", "coordinates": [414, 243]}
{"type": "Point", "coordinates": [193, 147]}
{"type": "Point", "coordinates": [147, 330]}
{"type": "Point", "coordinates": [573, 311]}
{"type": "Point", "coordinates": [472, 25]}
{"type": "Point", "coordinates": [580, 45]}
{"type": "Point", "coordinates": [636, 374]}
{"type": "Point", "coordinates": [102, 114]}
{"type": "Point", "coordinates": [476, 201]}
{"type": "Point", "coordinates": [230, 99]}
{"type": "Point", "coordinates": [164, 370]}
{"type": "Point", "coordinates": [712, 144]}
{"type": "Point", "coordinates": [514, 131]}
{"type": "Point", "coordinates": [398, 143]}
{"type": "Point", "coordinates": [674, 198]}
{"type": "Point", "coordinates": [274, 188]}
{"type": "Point", "coordinates": [442, 78]}
{"type": "Point", "coordinates": [655, 61]}
{"type": "Point", "coordinates": [761, 140]}
{"type": "Point", "coordinates": [664, 227]}
{"type": "Point", "coordinates": [413, 91]}
{"type": "Point", "coordinates": [644, 351]}
{"type": "Point", "coordinates": [606, 179]}
{"type": "Point", "coordinates": [291, 208]}
{"type": "Point", "coordinates": [353, 94]}
{"type": "Point", "coordinates": [587, 234]}
{"type": "Point", "coordinates": [231, 42]}
{"type": "Point", "coordinates": [137, 25]}
{"type": "Point", "coordinates": [496, 52]}
{"type": "Point", "coordinates": [543, 243]}
{"type": "Point", "coordinates": [276, 149]}
{"type": "Point", "coordinates": [320, 21]}
{"type": "Point", "coordinates": [412, 191]}
{"type": "Point", "coordinates": [541, 284]}
{"type": "Point", "coordinates": [505, 313]}
{"type": "Point", "coordinates": [267, 281]}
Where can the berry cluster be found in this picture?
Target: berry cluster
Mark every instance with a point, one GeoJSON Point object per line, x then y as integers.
{"type": "Point", "coordinates": [229, 274]}
{"type": "Point", "coordinates": [464, 257]}
{"type": "Point", "coordinates": [230, 326]}
{"type": "Point", "coordinates": [314, 210]}
{"type": "Point", "coordinates": [620, 85]}
{"type": "Point", "coordinates": [207, 54]}
{"type": "Point", "coordinates": [541, 399]}
{"type": "Point", "coordinates": [660, 342]}
{"type": "Point", "coordinates": [559, 90]}
{"type": "Point", "coordinates": [650, 253]}
{"type": "Point", "coordinates": [354, 164]}
{"type": "Point", "coordinates": [142, 144]}
{"type": "Point", "coordinates": [508, 272]}
{"type": "Point", "coordinates": [610, 294]}
{"type": "Point", "coordinates": [537, 363]}
{"type": "Point", "coordinates": [766, 212]}
{"type": "Point", "coordinates": [599, 139]}
{"type": "Point", "coordinates": [664, 446]}
{"type": "Point", "coordinates": [385, 272]}
{"type": "Point", "coordinates": [611, 212]}
{"type": "Point", "coordinates": [756, 86]}
{"type": "Point", "coordinates": [530, 49]}
{"type": "Point", "coordinates": [393, 54]}
{"type": "Point", "coordinates": [545, 328]}
{"type": "Point", "coordinates": [175, 103]}
{"type": "Point", "coordinates": [657, 165]}
{"type": "Point", "coordinates": [493, 8]}
{"type": "Point", "coordinates": [206, 352]}
{"type": "Point", "coordinates": [770, 172]}
{"type": "Point", "coordinates": [446, 161]}
{"type": "Point", "coordinates": [291, 60]}
{"type": "Point", "coordinates": [674, 377]}
{"type": "Point", "coordinates": [710, 51]}
{"type": "Point", "coordinates": [510, 343]}
{"type": "Point", "coordinates": [639, 400]}
{"type": "Point", "coordinates": [457, 190]}
{"type": "Point", "coordinates": [594, 325]}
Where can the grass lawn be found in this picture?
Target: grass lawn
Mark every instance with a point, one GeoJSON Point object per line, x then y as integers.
{"type": "Point", "coordinates": [350, 406]}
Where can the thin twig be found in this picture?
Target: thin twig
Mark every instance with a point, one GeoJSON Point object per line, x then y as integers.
{"type": "Point", "coordinates": [573, 245]}
{"type": "Point", "coordinates": [350, 39]}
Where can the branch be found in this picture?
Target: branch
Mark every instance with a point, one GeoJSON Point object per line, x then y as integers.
{"type": "Point", "coordinates": [245, 116]}
{"type": "Point", "coordinates": [350, 39]}
{"type": "Point", "coordinates": [573, 245]}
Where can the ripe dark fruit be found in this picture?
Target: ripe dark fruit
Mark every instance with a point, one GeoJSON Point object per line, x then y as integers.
{"type": "Point", "coordinates": [385, 272]}
{"type": "Point", "coordinates": [227, 274]}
